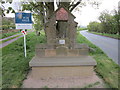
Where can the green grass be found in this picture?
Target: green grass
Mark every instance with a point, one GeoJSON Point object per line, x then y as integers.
{"type": "Point", "coordinates": [108, 35]}
{"type": "Point", "coordinates": [92, 85]}
{"type": "Point", "coordinates": [105, 68]}
{"type": "Point", "coordinates": [14, 66]}
{"type": "Point", "coordinates": [46, 87]}
{"type": "Point", "coordinates": [4, 35]}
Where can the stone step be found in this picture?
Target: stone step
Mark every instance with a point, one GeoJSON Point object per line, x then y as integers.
{"type": "Point", "coordinates": [62, 61]}
{"type": "Point", "coordinates": [62, 67]}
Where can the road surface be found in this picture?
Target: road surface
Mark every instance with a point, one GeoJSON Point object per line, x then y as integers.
{"type": "Point", "coordinates": [108, 45]}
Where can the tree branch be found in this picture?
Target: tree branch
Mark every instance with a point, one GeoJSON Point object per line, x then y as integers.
{"type": "Point", "coordinates": [75, 5]}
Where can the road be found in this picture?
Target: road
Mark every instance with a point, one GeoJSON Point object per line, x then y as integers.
{"type": "Point", "coordinates": [108, 45]}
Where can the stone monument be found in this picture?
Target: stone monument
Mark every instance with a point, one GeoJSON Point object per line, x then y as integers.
{"type": "Point", "coordinates": [61, 55]}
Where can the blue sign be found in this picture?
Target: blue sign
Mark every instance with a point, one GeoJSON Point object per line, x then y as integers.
{"type": "Point", "coordinates": [23, 18]}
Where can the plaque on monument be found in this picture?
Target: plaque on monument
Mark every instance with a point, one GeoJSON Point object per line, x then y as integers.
{"type": "Point", "coordinates": [61, 41]}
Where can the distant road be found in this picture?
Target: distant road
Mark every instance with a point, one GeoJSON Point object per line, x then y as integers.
{"type": "Point", "coordinates": [10, 37]}
{"type": "Point", "coordinates": [10, 41]}
{"type": "Point", "coordinates": [108, 45]}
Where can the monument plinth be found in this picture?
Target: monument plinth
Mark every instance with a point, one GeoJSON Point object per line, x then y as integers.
{"type": "Point", "coordinates": [61, 55]}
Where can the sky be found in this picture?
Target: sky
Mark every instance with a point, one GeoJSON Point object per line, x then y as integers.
{"type": "Point", "coordinates": [86, 13]}
{"type": "Point", "coordinates": [89, 13]}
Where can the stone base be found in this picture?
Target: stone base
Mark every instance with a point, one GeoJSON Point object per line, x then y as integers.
{"type": "Point", "coordinates": [54, 72]}
{"type": "Point", "coordinates": [62, 66]}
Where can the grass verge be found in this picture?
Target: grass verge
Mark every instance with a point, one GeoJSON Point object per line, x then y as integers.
{"type": "Point", "coordinates": [107, 35]}
{"type": "Point", "coordinates": [4, 35]}
{"type": "Point", "coordinates": [14, 66]}
{"type": "Point", "coordinates": [105, 68]}
{"type": "Point", "coordinates": [92, 85]}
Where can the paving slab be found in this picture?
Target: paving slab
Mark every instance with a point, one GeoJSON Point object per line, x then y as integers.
{"type": "Point", "coordinates": [62, 61]}
{"type": "Point", "coordinates": [63, 82]}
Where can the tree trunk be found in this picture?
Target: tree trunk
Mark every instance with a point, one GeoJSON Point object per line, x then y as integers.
{"type": "Point", "coordinates": [49, 11]}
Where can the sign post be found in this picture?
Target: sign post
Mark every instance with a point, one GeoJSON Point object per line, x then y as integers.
{"type": "Point", "coordinates": [24, 34]}
{"type": "Point", "coordinates": [25, 46]}
{"type": "Point", "coordinates": [23, 21]}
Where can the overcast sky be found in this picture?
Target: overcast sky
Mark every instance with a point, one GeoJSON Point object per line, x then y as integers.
{"type": "Point", "coordinates": [86, 14]}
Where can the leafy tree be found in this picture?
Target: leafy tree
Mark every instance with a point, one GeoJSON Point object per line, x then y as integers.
{"type": "Point", "coordinates": [109, 23]}
{"type": "Point", "coordinates": [2, 11]}
{"type": "Point", "coordinates": [7, 23]}
{"type": "Point", "coordinates": [38, 24]}
{"type": "Point", "coordinates": [106, 21]}
{"type": "Point", "coordinates": [45, 9]}
{"type": "Point", "coordinates": [117, 20]}
{"type": "Point", "coordinates": [94, 26]}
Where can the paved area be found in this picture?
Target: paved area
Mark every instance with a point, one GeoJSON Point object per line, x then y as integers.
{"type": "Point", "coordinates": [63, 82]}
{"type": "Point", "coordinates": [108, 45]}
